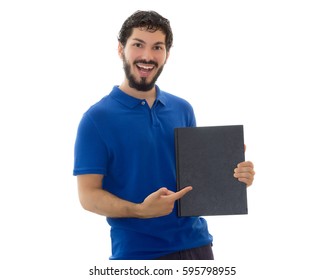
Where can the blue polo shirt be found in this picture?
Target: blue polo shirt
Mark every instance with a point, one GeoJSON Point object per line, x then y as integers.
{"type": "Point", "coordinates": [132, 145]}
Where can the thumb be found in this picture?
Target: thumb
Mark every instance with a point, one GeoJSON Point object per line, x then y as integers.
{"type": "Point", "coordinates": [162, 191]}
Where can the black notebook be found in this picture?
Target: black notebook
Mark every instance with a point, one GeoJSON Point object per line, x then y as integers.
{"type": "Point", "coordinates": [205, 159]}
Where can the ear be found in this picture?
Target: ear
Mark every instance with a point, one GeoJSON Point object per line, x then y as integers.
{"type": "Point", "coordinates": [120, 50]}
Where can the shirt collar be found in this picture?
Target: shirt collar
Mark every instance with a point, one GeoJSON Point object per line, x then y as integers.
{"type": "Point", "coordinates": [131, 101]}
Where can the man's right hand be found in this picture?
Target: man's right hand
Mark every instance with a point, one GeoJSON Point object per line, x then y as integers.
{"type": "Point", "coordinates": [160, 203]}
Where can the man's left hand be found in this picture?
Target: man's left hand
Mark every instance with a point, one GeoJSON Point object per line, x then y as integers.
{"type": "Point", "coordinates": [245, 173]}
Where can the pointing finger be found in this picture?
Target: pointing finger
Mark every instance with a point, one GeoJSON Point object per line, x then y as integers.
{"type": "Point", "coordinates": [182, 192]}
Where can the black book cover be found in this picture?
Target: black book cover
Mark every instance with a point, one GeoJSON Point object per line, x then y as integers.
{"type": "Point", "coordinates": [205, 159]}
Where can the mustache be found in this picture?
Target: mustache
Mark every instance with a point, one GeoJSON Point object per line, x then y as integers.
{"type": "Point", "coordinates": [150, 62]}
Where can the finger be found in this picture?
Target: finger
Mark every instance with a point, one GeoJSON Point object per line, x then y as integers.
{"type": "Point", "coordinates": [248, 182]}
{"type": "Point", "coordinates": [245, 164]}
{"type": "Point", "coordinates": [247, 175]}
{"type": "Point", "coordinates": [181, 193]}
{"type": "Point", "coordinates": [169, 192]}
{"type": "Point", "coordinates": [244, 170]}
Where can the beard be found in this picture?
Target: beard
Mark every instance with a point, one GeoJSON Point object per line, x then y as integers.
{"type": "Point", "coordinates": [142, 85]}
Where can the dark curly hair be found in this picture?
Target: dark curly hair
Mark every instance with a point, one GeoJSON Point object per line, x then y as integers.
{"type": "Point", "coordinates": [148, 20]}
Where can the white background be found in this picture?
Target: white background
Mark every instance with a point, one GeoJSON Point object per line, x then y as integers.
{"type": "Point", "coordinates": [257, 63]}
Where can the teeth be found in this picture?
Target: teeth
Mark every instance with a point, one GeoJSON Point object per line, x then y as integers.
{"type": "Point", "coordinates": [146, 67]}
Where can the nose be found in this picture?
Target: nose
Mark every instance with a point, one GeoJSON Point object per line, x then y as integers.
{"type": "Point", "coordinates": [147, 54]}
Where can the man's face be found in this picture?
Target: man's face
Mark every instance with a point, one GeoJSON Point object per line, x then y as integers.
{"type": "Point", "coordinates": [144, 57]}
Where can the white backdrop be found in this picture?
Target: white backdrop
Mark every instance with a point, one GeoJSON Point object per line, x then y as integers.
{"type": "Point", "coordinates": [257, 63]}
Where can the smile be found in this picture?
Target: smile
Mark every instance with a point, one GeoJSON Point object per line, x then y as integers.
{"type": "Point", "coordinates": [144, 67]}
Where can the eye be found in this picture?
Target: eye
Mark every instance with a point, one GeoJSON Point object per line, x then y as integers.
{"type": "Point", "coordinates": [137, 45]}
{"type": "Point", "coordinates": [158, 48]}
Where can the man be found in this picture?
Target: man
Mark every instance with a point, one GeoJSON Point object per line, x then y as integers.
{"type": "Point", "coordinates": [124, 154]}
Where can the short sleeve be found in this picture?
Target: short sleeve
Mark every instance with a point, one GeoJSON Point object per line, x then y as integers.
{"type": "Point", "coordinates": [90, 151]}
{"type": "Point", "coordinates": [192, 122]}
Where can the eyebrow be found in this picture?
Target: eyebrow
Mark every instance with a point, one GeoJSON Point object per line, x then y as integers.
{"type": "Point", "coordinates": [141, 41]}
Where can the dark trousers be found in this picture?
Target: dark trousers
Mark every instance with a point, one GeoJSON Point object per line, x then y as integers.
{"type": "Point", "coordinates": [200, 253]}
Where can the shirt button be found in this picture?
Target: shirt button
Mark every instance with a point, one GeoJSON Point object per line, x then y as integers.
{"type": "Point", "coordinates": [143, 102]}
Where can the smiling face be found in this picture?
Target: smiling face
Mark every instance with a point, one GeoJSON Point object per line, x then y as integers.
{"type": "Point", "coordinates": [144, 57]}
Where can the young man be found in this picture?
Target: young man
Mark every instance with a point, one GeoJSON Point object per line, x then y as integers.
{"type": "Point", "coordinates": [124, 154]}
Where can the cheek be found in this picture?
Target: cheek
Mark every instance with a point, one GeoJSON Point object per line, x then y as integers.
{"type": "Point", "coordinates": [161, 59]}
{"type": "Point", "coordinates": [128, 55]}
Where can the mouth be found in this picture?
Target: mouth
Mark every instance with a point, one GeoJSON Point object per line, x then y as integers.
{"type": "Point", "coordinates": [145, 68]}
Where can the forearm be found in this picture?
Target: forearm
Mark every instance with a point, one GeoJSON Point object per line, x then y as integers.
{"type": "Point", "coordinates": [106, 204]}
{"type": "Point", "coordinates": [94, 199]}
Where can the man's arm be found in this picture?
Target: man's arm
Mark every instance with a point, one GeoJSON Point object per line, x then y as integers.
{"type": "Point", "coordinates": [94, 199]}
